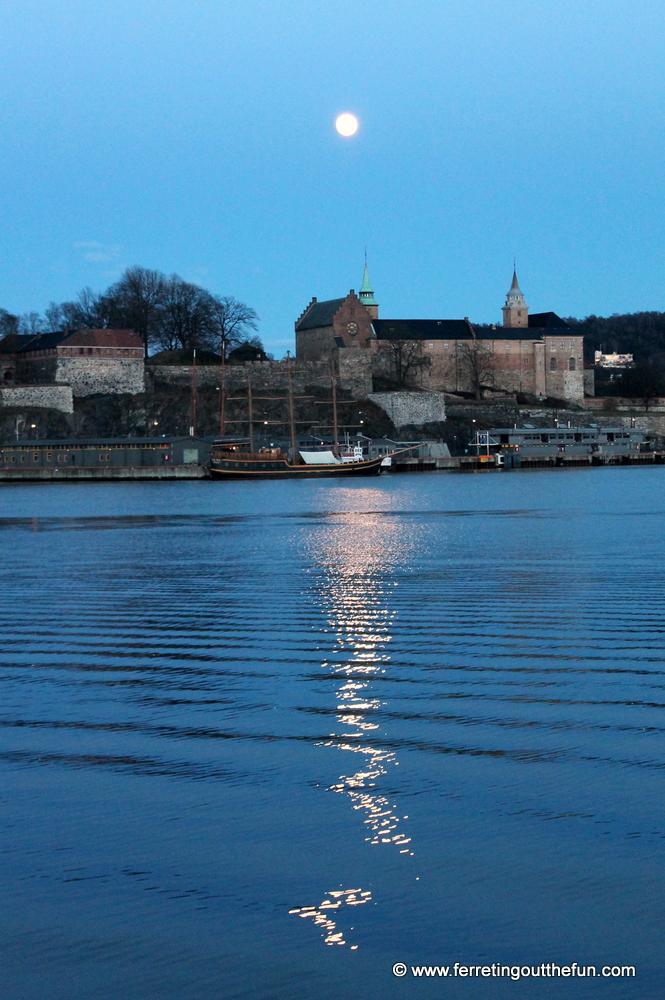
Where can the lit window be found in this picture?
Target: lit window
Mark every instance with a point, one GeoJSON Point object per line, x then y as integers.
{"type": "Point", "coordinates": [552, 346]}
{"type": "Point", "coordinates": [572, 345]}
{"type": "Point", "coordinates": [507, 347]}
{"type": "Point", "coordinates": [446, 345]}
{"type": "Point", "coordinates": [431, 347]}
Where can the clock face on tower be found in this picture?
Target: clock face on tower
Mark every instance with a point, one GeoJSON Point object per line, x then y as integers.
{"type": "Point", "coordinates": [353, 329]}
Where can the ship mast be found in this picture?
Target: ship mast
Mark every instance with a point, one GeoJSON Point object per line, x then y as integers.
{"type": "Point", "coordinates": [250, 410]}
{"type": "Point", "coordinates": [333, 386]}
{"type": "Point", "coordinates": [192, 428]}
{"type": "Point", "coordinates": [222, 391]}
{"type": "Point", "coordinates": [292, 423]}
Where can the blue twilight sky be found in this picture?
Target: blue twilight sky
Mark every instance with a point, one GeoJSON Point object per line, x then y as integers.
{"type": "Point", "coordinates": [198, 136]}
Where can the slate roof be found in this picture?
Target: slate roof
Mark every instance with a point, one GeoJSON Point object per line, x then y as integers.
{"type": "Point", "coordinates": [12, 342]}
{"type": "Point", "coordinates": [507, 333]}
{"type": "Point", "coordinates": [422, 329]}
{"type": "Point", "coordinates": [44, 341]}
{"type": "Point", "coordinates": [545, 321]}
{"type": "Point", "coordinates": [320, 314]}
{"type": "Point", "coordinates": [82, 338]}
{"type": "Point", "coordinates": [55, 443]}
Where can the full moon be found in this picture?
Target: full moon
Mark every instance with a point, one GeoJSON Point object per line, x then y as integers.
{"type": "Point", "coordinates": [346, 124]}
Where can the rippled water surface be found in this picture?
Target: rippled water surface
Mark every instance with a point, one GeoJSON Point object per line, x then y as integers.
{"type": "Point", "coordinates": [264, 740]}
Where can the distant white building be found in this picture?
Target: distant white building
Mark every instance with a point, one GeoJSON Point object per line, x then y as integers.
{"type": "Point", "coordinates": [613, 360]}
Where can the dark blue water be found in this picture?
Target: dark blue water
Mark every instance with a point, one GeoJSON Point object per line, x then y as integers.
{"type": "Point", "coordinates": [265, 740]}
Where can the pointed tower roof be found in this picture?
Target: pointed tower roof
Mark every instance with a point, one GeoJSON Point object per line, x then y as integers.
{"type": "Point", "coordinates": [366, 293]}
{"type": "Point", "coordinates": [515, 296]}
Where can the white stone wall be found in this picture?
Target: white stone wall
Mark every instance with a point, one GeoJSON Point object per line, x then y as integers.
{"type": "Point", "coordinates": [406, 408]}
{"type": "Point", "coordinates": [573, 386]}
{"type": "Point", "coordinates": [53, 397]}
{"type": "Point", "coordinates": [88, 376]}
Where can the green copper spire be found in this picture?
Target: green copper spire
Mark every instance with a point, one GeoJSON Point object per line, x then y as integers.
{"type": "Point", "coordinates": [366, 293]}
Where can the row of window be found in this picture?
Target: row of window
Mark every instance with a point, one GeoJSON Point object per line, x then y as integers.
{"type": "Point", "coordinates": [101, 350]}
{"type": "Point", "coordinates": [526, 346]}
{"type": "Point", "coordinates": [572, 364]}
{"type": "Point", "coordinates": [62, 457]}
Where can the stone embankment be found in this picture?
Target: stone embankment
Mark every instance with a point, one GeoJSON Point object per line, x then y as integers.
{"type": "Point", "coordinates": [52, 397]}
{"type": "Point", "coordinates": [408, 409]}
{"type": "Point", "coordinates": [66, 475]}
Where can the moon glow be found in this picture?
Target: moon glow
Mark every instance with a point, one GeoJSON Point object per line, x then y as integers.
{"type": "Point", "coordinates": [346, 124]}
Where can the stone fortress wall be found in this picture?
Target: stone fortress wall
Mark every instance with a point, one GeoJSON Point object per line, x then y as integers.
{"type": "Point", "coordinates": [88, 376]}
{"type": "Point", "coordinates": [52, 397]}
{"type": "Point", "coordinates": [352, 368]}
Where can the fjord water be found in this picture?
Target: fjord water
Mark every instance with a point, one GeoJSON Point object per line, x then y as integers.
{"type": "Point", "coordinates": [264, 740]}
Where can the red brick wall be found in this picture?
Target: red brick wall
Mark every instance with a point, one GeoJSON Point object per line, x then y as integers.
{"type": "Point", "coordinates": [352, 311]}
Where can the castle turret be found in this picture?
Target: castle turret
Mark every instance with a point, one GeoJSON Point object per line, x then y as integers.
{"type": "Point", "coordinates": [515, 311]}
{"type": "Point", "coordinates": [366, 295]}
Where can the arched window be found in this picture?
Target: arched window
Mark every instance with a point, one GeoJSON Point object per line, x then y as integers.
{"type": "Point", "coordinates": [552, 364]}
{"type": "Point", "coordinates": [572, 365]}
{"type": "Point", "coordinates": [9, 375]}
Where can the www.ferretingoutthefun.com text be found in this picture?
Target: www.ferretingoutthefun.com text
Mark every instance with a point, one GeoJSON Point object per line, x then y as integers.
{"type": "Point", "coordinates": [545, 970]}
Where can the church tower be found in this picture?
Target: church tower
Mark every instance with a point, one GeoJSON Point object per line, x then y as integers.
{"type": "Point", "coordinates": [515, 311]}
{"type": "Point", "coordinates": [366, 295]}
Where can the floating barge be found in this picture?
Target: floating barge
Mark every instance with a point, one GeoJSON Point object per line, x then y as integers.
{"type": "Point", "coordinates": [105, 458]}
{"type": "Point", "coordinates": [559, 447]}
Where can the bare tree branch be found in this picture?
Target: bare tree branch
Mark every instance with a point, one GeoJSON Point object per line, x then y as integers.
{"type": "Point", "coordinates": [478, 365]}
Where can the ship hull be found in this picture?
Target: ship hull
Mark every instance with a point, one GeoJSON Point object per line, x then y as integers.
{"type": "Point", "coordinates": [257, 468]}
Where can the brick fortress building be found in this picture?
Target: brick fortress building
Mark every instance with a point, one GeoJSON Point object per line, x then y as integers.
{"type": "Point", "coordinates": [539, 355]}
{"type": "Point", "coordinates": [90, 361]}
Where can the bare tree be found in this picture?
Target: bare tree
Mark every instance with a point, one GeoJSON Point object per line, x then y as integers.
{"type": "Point", "coordinates": [30, 324]}
{"type": "Point", "coordinates": [55, 317]}
{"type": "Point", "coordinates": [478, 366]}
{"type": "Point", "coordinates": [8, 323]}
{"type": "Point", "coordinates": [186, 316]}
{"type": "Point", "coordinates": [138, 302]}
{"type": "Point", "coordinates": [90, 310]}
{"type": "Point", "coordinates": [168, 312]}
{"type": "Point", "coordinates": [231, 322]}
{"type": "Point", "coordinates": [406, 361]}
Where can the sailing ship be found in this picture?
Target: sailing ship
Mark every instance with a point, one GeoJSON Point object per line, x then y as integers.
{"type": "Point", "coordinates": [239, 459]}
{"type": "Point", "coordinates": [231, 461]}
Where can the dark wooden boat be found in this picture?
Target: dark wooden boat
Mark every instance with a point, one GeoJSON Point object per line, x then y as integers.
{"type": "Point", "coordinates": [237, 458]}
{"type": "Point", "coordinates": [230, 462]}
